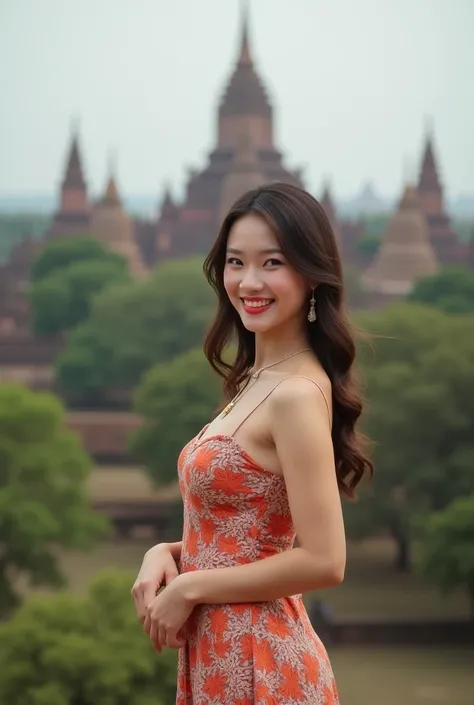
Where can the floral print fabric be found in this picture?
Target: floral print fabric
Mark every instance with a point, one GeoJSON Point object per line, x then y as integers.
{"type": "Point", "coordinates": [262, 653]}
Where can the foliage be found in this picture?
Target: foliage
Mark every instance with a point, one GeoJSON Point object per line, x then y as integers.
{"type": "Point", "coordinates": [65, 278]}
{"type": "Point", "coordinates": [176, 399]}
{"type": "Point", "coordinates": [369, 245]}
{"type": "Point", "coordinates": [86, 368]}
{"type": "Point", "coordinates": [451, 290]}
{"type": "Point", "coordinates": [134, 326]}
{"type": "Point", "coordinates": [83, 649]}
{"type": "Point", "coordinates": [58, 255]}
{"type": "Point", "coordinates": [420, 382]}
{"type": "Point", "coordinates": [447, 547]}
{"type": "Point", "coordinates": [63, 300]}
{"type": "Point", "coordinates": [43, 496]}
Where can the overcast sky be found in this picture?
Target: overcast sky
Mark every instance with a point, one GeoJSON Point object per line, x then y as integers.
{"type": "Point", "coordinates": [352, 82]}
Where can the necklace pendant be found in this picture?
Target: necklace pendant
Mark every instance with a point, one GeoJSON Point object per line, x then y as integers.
{"type": "Point", "coordinates": [227, 409]}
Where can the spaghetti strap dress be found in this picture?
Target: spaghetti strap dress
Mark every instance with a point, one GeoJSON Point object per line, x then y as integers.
{"type": "Point", "coordinates": [263, 653]}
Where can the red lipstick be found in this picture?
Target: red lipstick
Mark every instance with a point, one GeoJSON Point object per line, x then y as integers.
{"type": "Point", "coordinates": [255, 305]}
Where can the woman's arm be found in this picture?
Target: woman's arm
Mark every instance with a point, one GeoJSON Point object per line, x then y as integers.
{"type": "Point", "coordinates": [173, 548]}
{"type": "Point", "coordinates": [300, 428]}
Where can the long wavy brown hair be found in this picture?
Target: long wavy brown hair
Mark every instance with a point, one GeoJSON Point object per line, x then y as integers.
{"type": "Point", "coordinates": [307, 240]}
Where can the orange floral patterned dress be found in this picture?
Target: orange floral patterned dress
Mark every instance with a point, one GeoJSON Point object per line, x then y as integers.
{"type": "Point", "coordinates": [263, 653]}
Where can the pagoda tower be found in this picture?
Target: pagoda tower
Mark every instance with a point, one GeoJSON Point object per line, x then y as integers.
{"type": "Point", "coordinates": [327, 203]}
{"type": "Point", "coordinates": [73, 214]}
{"type": "Point", "coordinates": [245, 105]}
{"type": "Point", "coordinates": [443, 239]}
{"type": "Point", "coordinates": [168, 218]}
{"type": "Point", "coordinates": [244, 108]}
{"type": "Point", "coordinates": [405, 253]}
{"type": "Point", "coordinates": [112, 225]}
{"type": "Point", "coordinates": [244, 175]}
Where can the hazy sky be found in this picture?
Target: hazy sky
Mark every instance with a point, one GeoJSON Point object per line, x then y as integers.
{"type": "Point", "coordinates": [351, 80]}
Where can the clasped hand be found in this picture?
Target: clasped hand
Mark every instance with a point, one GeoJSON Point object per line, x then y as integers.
{"type": "Point", "coordinates": [166, 615]}
{"type": "Point", "coordinates": [162, 615]}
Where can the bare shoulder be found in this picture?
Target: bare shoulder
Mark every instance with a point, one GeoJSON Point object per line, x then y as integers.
{"type": "Point", "coordinates": [299, 396]}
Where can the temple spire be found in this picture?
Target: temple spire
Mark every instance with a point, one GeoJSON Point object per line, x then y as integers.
{"type": "Point", "coordinates": [429, 178]}
{"type": "Point", "coordinates": [111, 194]}
{"type": "Point", "coordinates": [73, 214]}
{"type": "Point", "coordinates": [245, 56]}
{"type": "Point", "coordinates": [74, 174]}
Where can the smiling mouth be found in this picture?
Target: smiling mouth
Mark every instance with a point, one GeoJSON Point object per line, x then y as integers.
{"type": "Point", "coordinates": [253, 307]}
{"type": "Point", "coordinates": [257, 303]}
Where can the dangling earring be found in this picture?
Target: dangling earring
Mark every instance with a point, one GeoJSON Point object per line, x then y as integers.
{"type": "Point", "coordinates": [312, 310]}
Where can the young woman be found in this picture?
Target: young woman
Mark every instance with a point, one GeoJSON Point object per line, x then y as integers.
{"type": "Point", "coordinates": [270, 468]}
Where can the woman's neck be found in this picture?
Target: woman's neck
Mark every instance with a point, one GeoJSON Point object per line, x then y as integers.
{"type": "Point", "coordinates": [273, 348]}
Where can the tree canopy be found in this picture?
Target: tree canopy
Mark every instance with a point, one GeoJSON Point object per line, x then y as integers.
{"type": "Point", "coordinates": [59, 254]}
{"type": "Point", "coordinates": [176, 399]}
{"type": "Point", "coordinates": [87, 649]}
{"type": "Point", "coordinates": [134, 326]}
{"type": "Point", "coordinates": [66, 276]}
{"type": "Point", "coordinates": [451, 290]}
{"type": "Point", "coordinates": [43, 495]}
{"type": "Point", "coordinates": [447, 555]}
{"type": "Point", "coordinates": [420, 378]}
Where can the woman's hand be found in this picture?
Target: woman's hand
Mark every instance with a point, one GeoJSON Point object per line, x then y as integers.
{"type": "Point", "coordinates": [158, 567]}
{"type": "Point", "coordinates": [167, 614]}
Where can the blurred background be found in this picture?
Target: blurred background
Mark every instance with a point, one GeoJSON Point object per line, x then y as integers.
{"type": "Point", "coordinates": [128, 130]}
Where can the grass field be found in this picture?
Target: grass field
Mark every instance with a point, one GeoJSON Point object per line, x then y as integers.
{"type": "Point", "coordinates": [404, 676]}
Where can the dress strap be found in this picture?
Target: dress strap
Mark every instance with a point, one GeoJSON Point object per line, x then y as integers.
{"type": "Point", "coordinates": [273, 389]}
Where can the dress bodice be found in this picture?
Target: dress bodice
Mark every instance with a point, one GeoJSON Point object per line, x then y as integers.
{"type": "Point", "coordinates": [234, 510]}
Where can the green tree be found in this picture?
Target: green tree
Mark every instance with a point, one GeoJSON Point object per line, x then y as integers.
{"type": "Point", "coordinates": [420, 382]}
{"type": "Point", "coordinates": [43, 495]}
{"type": "Point", "coordinates": [65, 278]}
{"type": "Point", "coordinates": [369, 245]}
{"type": "Point", "coordinates": [447, 547]}
{"type": "Point", "coordinates": [62, 300]}
{"type": "Point", "coordinates": [87, 367]}
{"type": "Point", "coordinates": [88, 650]}
{"type": "Point", "coordinates": [176, 400]}
{"type": "Point", "coordinates": [57, 255]}
{"type": "Point", "coordinates": [134, 326]}
{"type": "Point", "coordinates": [451, 290]}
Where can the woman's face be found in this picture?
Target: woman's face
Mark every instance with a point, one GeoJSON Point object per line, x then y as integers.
{"type": "Point", "coordinates": [264, 289]}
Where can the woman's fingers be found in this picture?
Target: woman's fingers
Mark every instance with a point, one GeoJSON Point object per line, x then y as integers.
{"type": "Point", "coordinates": [143, 593]}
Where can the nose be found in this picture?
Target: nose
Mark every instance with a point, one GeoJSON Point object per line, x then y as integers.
{"type": "Point", "coordinates": [250, 281]}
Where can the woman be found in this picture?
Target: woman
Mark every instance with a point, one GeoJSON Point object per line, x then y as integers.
{"type": "Point", "coordinates": [269, 468]}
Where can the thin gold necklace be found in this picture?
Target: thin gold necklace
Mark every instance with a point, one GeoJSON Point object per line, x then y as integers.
{"type": "Point", "coordinates": [255, 376]}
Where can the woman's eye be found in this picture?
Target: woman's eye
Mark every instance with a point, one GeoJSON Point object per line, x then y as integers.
{"type": "Point", "coordinates": [273, 262]}
{"type": "Point", "coordinates": [233, 260]}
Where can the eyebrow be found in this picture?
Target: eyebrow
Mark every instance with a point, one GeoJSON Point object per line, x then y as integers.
{"type": "Point", "coordinates": [269, 251]}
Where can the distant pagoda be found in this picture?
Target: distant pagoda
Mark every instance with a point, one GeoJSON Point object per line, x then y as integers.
{"type": "Point", "coordinates": [405, 252]}
{"type": "Point", "coordinates": [73, 214]}
{"type": "Point", "coordinates": [112, 225]}
{"type": "Point", "coordinates": [443, 238]}
{"type": "Point", "coordinates": [327, 202]}
{"type": "Point", "coordinates": [244, 109]}
{"type": "Point", "coordinates": [245, 173]}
